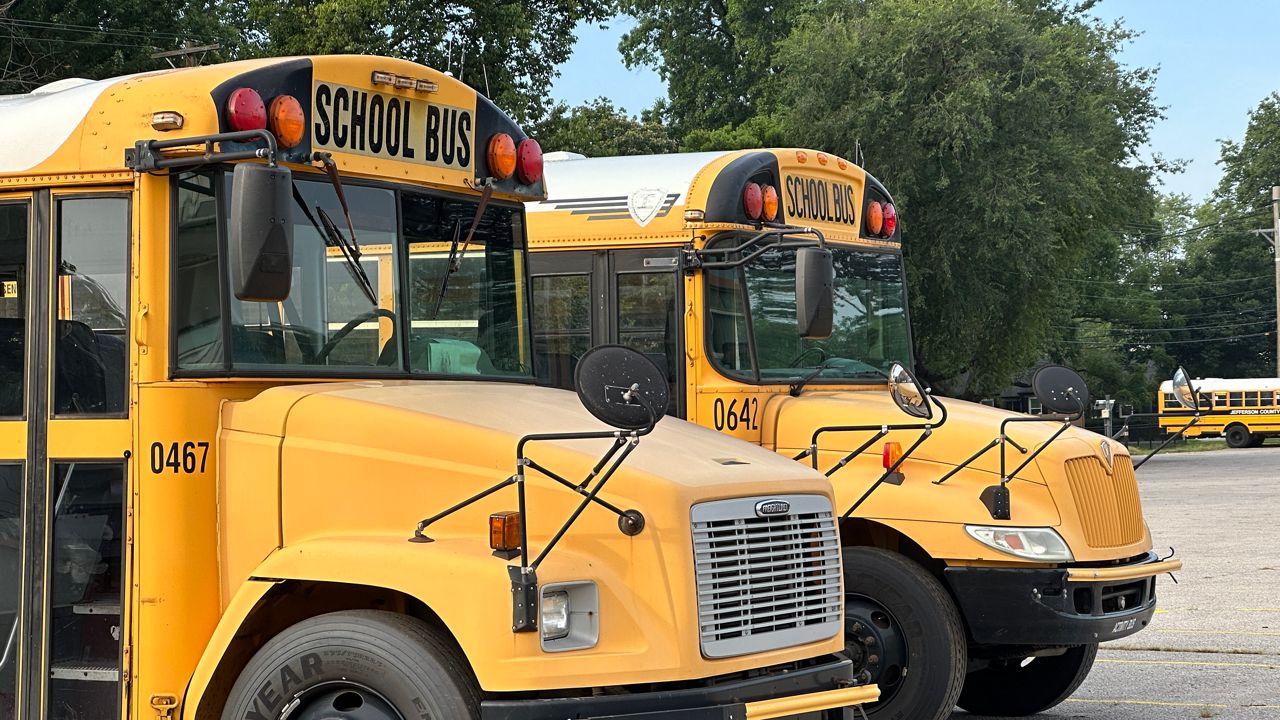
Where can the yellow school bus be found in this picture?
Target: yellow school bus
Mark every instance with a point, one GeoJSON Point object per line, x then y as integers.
{"type": "Point", "coordinates": [1244, 411]}
{"type": "Point", "coordinates": [985, 556]}
{"type": "Point", "coordinates": [267, 451]}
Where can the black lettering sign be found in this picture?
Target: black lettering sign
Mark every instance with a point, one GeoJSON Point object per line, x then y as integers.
{"type": "Point", "coordinates": [820, 200]}
{"type": "Point", "coordinates": [369, 123]}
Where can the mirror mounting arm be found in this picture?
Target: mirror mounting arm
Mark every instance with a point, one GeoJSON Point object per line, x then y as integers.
{"type": "Point", "coordinates": [1195, 420]}
{"type": "Point", "coordinates": [148, 155]}
{"type": "Point", "coordinates": [698, 258]}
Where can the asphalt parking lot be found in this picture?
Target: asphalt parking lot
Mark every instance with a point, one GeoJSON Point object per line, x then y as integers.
{"type": "Point", "coordinates": [1214, 648]}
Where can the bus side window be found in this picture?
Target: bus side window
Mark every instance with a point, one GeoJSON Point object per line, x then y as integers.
{"type": "Point", "coordinates": [647, 321]}
{"type": "Point", "coordinates": [561, 326]}
{"type": "Point", "coordinates": [90, 341]}
{"type": "Point", "coordinates": [1219, 400]}
{"type": "Point", "coordinates": [13, 323]}
{"type": "Point", "coordinates": [1252, 398]}
{"type": "Point", "coordinates": [1237, 399]}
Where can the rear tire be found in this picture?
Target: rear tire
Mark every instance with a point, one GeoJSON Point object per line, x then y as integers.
{"type": "Point", "coordinates": [1238, 436]}
{"type": "Point", "coordinates": [1007, 688]}
{"type": "Point", "coordinates": [355, 665]}
{"type": "Point", "coordinates": [1257, 439]}
{"type": "Point", "coordinates": [904, 634]}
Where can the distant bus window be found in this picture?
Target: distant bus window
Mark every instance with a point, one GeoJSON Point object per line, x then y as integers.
{"type": "Point", "coordinates": [1252, 398]}
{"type": "Point", "coordinates": [1237, 399]}
{"type": "Point", "coordinates": [1220, 400]}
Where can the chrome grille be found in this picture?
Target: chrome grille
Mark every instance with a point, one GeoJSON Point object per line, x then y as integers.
{"type": "Point", "coordinates": [1108, 503]}
{"type": "Point", "coordinates": [766, 581]}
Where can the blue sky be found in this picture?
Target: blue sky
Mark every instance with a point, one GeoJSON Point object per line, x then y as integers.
{"type": "Point", "coordinates": [1216, 63]}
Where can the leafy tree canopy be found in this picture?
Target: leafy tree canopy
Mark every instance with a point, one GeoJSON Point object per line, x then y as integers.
{"type": "Point", "coordinates": [1009, 134]}
{"type": "Point", "coordinates": [506, 50]}
{"type": "Point", "coordinates": [598, 129]}
{"type": "Point", "coordinates": [46, 40]}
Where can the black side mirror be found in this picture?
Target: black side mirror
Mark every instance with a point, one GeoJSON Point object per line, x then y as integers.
{"type": "Point", "coordinates": [621, 387]}
{"type": "Point", "coordinates": [1060, 390]}
{"type": "Point", "coordinates": [260, 238]}
{"type": "Point", "coordinates": [815, 303]}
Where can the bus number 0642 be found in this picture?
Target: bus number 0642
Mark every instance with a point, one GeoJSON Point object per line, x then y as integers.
{"type": "Point", "coordinates": [741, 413]}
{"type": "Point", "coordinates": [187, 457]}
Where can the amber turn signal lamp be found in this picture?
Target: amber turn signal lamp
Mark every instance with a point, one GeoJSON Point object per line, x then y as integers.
{"type": "Point", "coordinates": [504, 531]}
{"type": "Point", "coordinates": [502, 156]}
{"type": "Point", "coordinates": [875, 218]}
{"type": "Point", "coordinates": [892, 454]}
{"type": "Point", "coordinates": [287, 121]}
{"type": "Point", "coordinates": [770, 203]}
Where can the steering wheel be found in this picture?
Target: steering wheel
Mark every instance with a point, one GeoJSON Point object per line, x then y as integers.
{"type": "Point", "coordinates": [323, 353]}
{"type": "Point", "coordinates": [822, 356]}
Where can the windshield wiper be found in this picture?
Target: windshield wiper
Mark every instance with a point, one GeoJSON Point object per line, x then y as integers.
{"type": "Point", "coordinates": [798, 386]}
{"type": "Point", "coordinates": [455, 254]}
{"type": "Point", "coordinates": [328, 230]}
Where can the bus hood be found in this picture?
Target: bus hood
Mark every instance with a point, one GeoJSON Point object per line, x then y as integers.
{"type": "Point", "coordinates": [790, 422]}
{"type": "Point", "coordinates": [474, 427]}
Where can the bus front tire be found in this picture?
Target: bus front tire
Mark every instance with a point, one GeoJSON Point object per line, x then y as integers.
{"type": "Point", "coordinates": [361, 664]}
{"type": "Point", "coordinates": [1238, 436]}
{"type": "Point", "coordinates": [1026, 686]}
{"type": "Point", "coordinates": [903, 633]}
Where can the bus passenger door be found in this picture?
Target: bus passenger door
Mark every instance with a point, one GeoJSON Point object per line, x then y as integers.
{"type": "Point", "coordinates": [586, 298]}
{"type": "Point", "coordinates": [17, 226]}
{"type": "Point", "coordinates": [74, 632]}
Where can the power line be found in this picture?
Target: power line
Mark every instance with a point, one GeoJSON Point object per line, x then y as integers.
{"type": "Point", "coordinates": [1164, 286]}
{"type": "Point", "coordinates": [68, 41]}
{"type": "Point", "coordinates": [1130, 330]}
{"type": "Point", "coordinates": [88, 29]}
{"type": "Point", "coordinates": [1121, 341]}
{"type": "Point", "coordinates": [1184, 299]}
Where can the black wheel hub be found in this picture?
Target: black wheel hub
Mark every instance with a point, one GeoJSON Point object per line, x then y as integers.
{"type": "Point", "coordinates": [876, 643]}
{"type": "Point", "coordinates": [340, 701]}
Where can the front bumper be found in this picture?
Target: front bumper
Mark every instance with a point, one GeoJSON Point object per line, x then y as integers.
{"type": "Point", "coordinates": [1067, 606]}
{"type": "Point", "coordinates": [778, 695]}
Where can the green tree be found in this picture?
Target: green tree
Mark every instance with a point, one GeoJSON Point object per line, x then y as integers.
{"type": "Point", "coordinates": [46, 40]}
{"type": "Point", "coordinates": [598, 129]}
{"type": "Point", "coordinates": [507, 50]}
{"type": "Point", "coordinates": [1009, 134]}
{"type": "Point", "coordinates": [716, 56]}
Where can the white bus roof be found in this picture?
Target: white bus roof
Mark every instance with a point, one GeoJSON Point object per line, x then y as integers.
{"type": "Point", "coordinates": [582, 179]}
{"type": "Point", "coordinates": [1228, 385]}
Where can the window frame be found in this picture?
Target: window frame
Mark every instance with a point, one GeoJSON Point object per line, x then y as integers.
{"type": "Point", "coordinates": [25, 288]}
{"type": "Point", "coordinates": [755, 378]}
{"type": "Point", "coordinates": [55, 228]}
{"type": "Point", "coordinates": [229, 370]}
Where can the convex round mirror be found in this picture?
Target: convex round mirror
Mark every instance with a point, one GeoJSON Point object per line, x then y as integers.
{"type": "Point", "coordinates": [1061, 390]}
{"type": "Point", "coordinates": [1182, 389]}
{"type": "Point", "coordinates": [908, 393]}
{"type": "Point", "coordinates": [604, 379]}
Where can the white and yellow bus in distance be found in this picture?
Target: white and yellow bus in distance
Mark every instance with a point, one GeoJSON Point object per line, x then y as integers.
{"type": "Point", "coordinates": [266, 333]}
{"type": "Point", "coordinates": [1243, 411]}
{"type": "Point", "coordinates": [957, 592]}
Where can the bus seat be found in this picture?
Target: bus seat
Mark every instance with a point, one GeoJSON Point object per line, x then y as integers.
{"type": "Point", "coordinates": [253, 345]}
{"type": "Point", "coordinates": [81, 374]}
{"type": "Point", "coordinates": [556, 369]}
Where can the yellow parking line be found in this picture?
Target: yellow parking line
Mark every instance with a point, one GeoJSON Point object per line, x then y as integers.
{"type": "Point", "coordinates": [1196, 663]}
{"type": "Point", "coordinates": [1146, 702]}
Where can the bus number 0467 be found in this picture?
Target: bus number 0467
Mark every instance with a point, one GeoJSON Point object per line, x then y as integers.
{"type": "Point", "coordinates": [741, 413]}
{"type": "Point", "coordinates": [187, 457]}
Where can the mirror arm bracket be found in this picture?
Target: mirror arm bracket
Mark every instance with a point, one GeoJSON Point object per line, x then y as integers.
{"type": "Point", "coordinates": [148, 155]}
{"type": "Point", "coordinates": [1169, 441]}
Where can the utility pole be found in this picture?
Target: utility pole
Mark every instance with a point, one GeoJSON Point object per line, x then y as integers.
{"type": "Point", "coordinates": [1275, 253]}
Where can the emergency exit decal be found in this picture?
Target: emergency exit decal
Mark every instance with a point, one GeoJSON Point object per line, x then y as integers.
{"type": "Point", "coordinates": [352, 120]}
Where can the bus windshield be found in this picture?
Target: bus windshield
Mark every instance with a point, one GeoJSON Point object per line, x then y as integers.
{"type": "Point", "coordinates": [751, 319]}
{"type": "Point", "coordinates": [448, 301]}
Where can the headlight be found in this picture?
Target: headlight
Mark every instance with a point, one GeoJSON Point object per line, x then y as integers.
{"type": "Point", "coordinates": [570, 616]}
{"type": "Point", "coordinates": [1041, 544]}
{"type": "Point", "coordinates": [555, 615]}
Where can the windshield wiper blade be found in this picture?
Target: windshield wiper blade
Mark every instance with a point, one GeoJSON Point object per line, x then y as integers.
{"type": "Point", "coordinates": [350, 252]}
{"type": "Point", "coordinates": [456, 255]}
{"type": "Point", "coordinates": [798, 385]}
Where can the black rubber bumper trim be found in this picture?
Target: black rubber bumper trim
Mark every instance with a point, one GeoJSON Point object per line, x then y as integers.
{"type": "Point", "coordinates": [715, 701]}
{"type": "Point", "coordinates": [1038, 607]}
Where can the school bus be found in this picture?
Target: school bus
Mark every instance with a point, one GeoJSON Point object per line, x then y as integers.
{"type": "Point", "coordinates": [1244, 411]}
{"type": "Point", "coordinates": [224, 424]}
{"type": "Point", "coordinates": [706, 262]}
